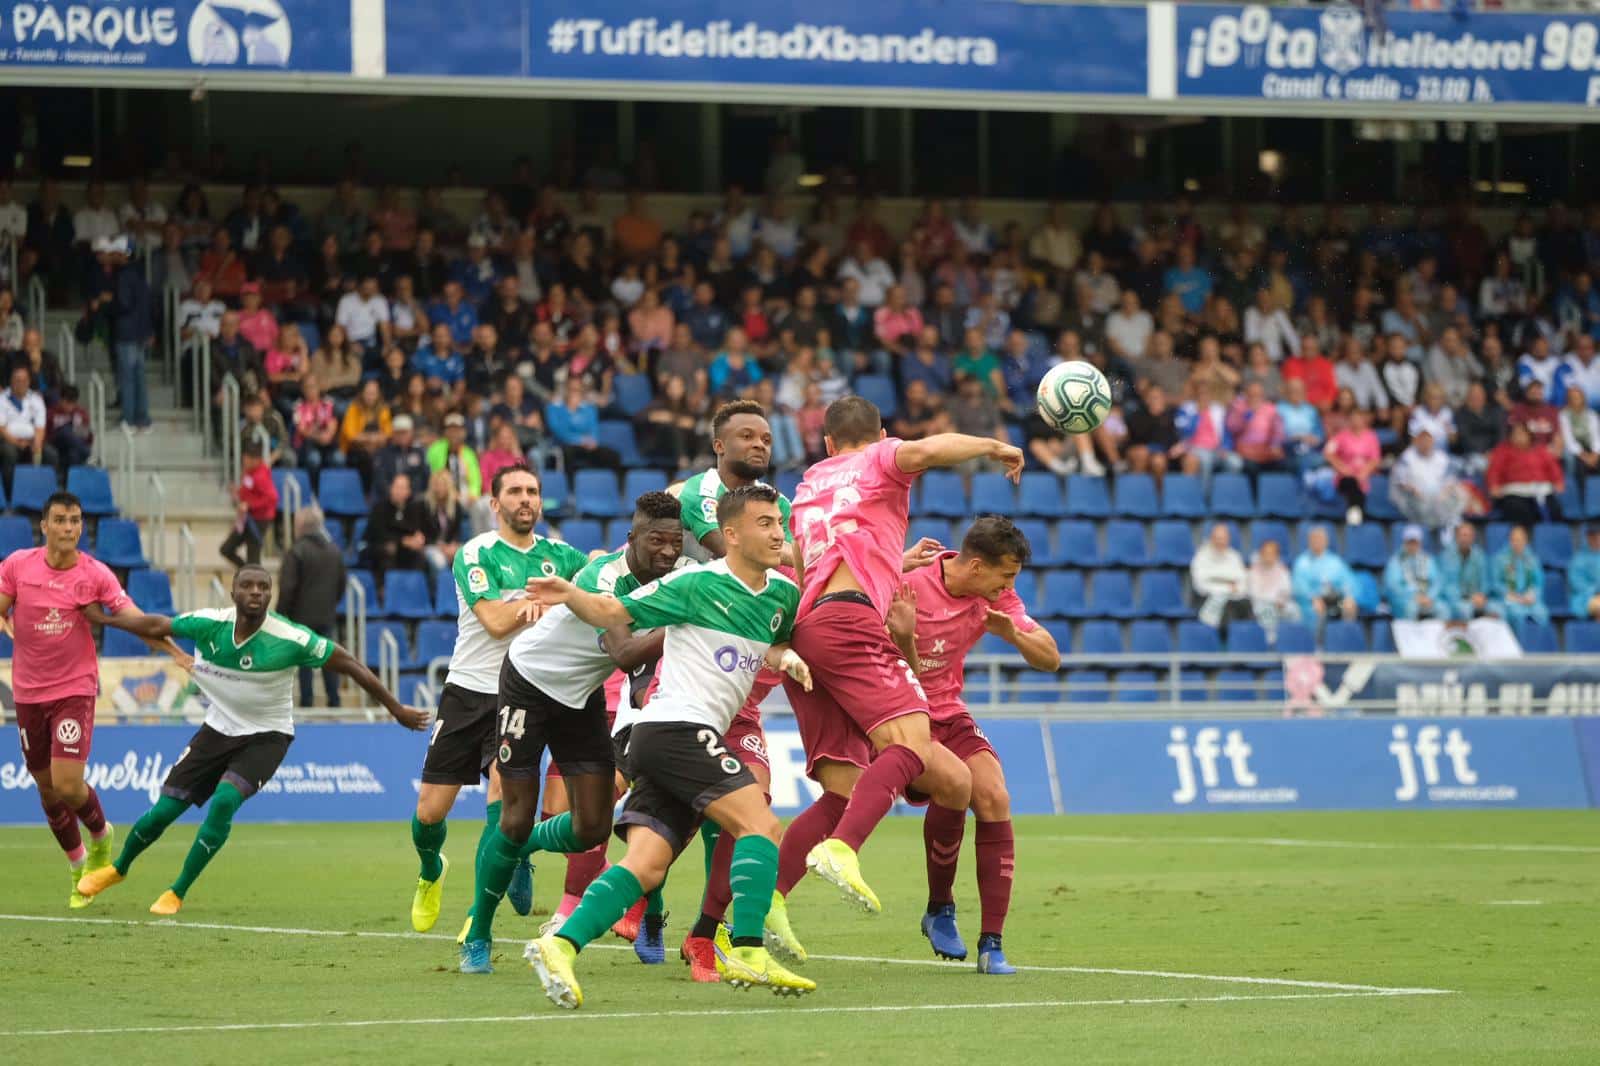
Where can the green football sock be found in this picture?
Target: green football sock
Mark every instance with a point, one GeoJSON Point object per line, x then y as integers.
{"type": "Point", "coordinates": [753, 877]}
{"type": "Point", "coordinates": [607, 900]}
{"type": "Point", "coordinates": [554, 834]}
{"type": "Point", "coordinates": [500, 857]}
{"type": "Point", "coordinates": [213, 834]}
{"type": "Point", "coordinates": [655, 905]}
{"type": "Point", "coordinates": [148, 829]}
{"type": "Point", "coordinates": [429, 841]}
{"type": "Point", "coordinates": [709, 832]}
{"type": "Point", "coordinates": [491, 822]}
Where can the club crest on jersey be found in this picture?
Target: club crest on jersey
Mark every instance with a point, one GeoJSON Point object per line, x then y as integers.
{"type": "Point", "coordinates": [247, 661]}
{"type": "Point", "coordinates": [505, 753]}
{"type": "Point", "coordinates": [777, 621]}
{"type": "Point", "coordinates": [68, 731]}
{"type": "Point", "coordinates": [547, 568]}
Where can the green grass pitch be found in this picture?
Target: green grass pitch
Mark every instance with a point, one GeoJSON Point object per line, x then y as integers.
{"type": "Point", "coordinates": [1141, 929]}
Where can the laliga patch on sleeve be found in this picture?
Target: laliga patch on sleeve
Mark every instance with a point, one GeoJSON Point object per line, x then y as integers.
{"type": "Point", "coordinates": [477, 580]}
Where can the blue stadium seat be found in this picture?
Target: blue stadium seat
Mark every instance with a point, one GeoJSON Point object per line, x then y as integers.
{"type": "Point", "coordinates": [6, 648]}
{"type": "Point", "coordinates": [445, 604]}
{"type": "Point", "coordinates": [1583, 638]}
{"type": "Point", "coordinates": [1237, 686]}
{"type": "Point", "coordinates": [1140, 686]}
{"type": "Point", "coordinates": [358, 540]}
{"type": "Point", "coordinates": [120, 644]}
{"type": "Point", "coordinates": [1378, 504]}
{"type": "Point", "coordinates": [1174, 543]}
{"type": "Point", "coordinates": [152, 591]}
{"type": "Point", "coordinates": [1197, 638]}
{"type": "Point", "coordinates": [993, 494]}
{"type": "Point", "coordinates": [1135, 496]}
{"type": "Point", "coordinates": [595, 494]}
{"type": "Point", "coordinates": [1040, 495]}
{"type": "Point", "coordinates": [339, 493]}
{"type": "Point", "coordinates": [556, 491]}
{"type": "Point", "coordinates": [1344, 638]}
{"type": "Point", "coordinates": [1100, 638]}
{"type": "Point", "coordinates": [937, 528]}
{"type": "Point", "coordinates": [16, 534]}
{"type": "Point", "coordinates": [1265, 529]}
{"type": "Point", "coordinates": [435, 640]}
{"type": "Point", "coordinates": [1368, 599]}
{"type": "Point", "coordinates": [1591, 498]}
{"type": "Point", "coordinates": [1087, 686]}
{"type": "Point", "coordinates": [364, 579]}
{"type": "Point", "coordinates": [788, 482]}
{"type": "Point", "coordinates": [1062, 632]}
{"type": "Point", "coordinates": [1231, 496]}
{"type": "Point", "coordinates": [1125, 544]}
{"type": "Point", "coordinates": [1571, 499]}
{"type": "Point", "coordinates": [1278, 496]}
{"type": "Point", "coordinates": [1087, 497]}
{"type": "Point", "coordinates": [1383, 638]}
{"type": "Point", "coordinates": [405, 595]}
{"type": "Point", "coordinates": [1061, 596]}
{"type": "Point", "coordinates": [1552, 543]}
{"type": "Point", "coordinates": [993, 644]}
{"type": "Point", "coordinates": [375, 631]}
{"type": "Point", "coordinates": [408, 691]}
{"type": "Point", "coordinates": [1555, 594]}
{"type": "Point", "coordinates": [1537, 639]}
{"type": "Point", "coordinates": [1246, 638]}
{"type": "Point", "coordinates": [619, 436]}
{"type": "Point", "coordinates": [880, 391]}
{"type": "Point", "coordinates": [632, 393]}
{"type": "Point", "coordinates": [1193, 686]}
{"type": "Point", "coordinates": [1366, 547]}
{"type": "Point", "coordinates": [1295, 639]}
{"type": "Point", "coordinates": [1495, 537]}
{"type": "Point", "coordinates": [281, 476]}
{"type": "Point", "coordinates": [1149, 638]}
{"type": "Point", "coordinates": [92, 486]}
{"type": "Point", "coordinates": [117, 543]}
{"type": "Point", "coordinates": [636, 483]}
{"type": "Point", "coordinates": [1111, 595]}
{"type": "Point", "coordinates": [1026, 586]}
{"type": "Point", "coordinates": [1040, 542]}
{"type": "Point", "coordinates": [583, 534]}
{"type": "Point", "coordinates": [1181, 497]}
{"type": "Point", "coordinates": [31, 486]}
{"type": "Point", "coordinates": [1078, 544]}
{"type": "Point", "coordinates": [1160, 596]}
{"type": "Point", "coordinates": [942, 495]}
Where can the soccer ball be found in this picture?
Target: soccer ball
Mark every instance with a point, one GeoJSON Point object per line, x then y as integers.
{"type": "Point", "coordinates": [1074, 397]}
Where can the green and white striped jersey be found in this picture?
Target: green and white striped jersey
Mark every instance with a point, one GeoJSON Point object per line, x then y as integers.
{"type": "Point", "coordinates": [489, 567]}
{"type": "Point", "coordinates": [697, 509]}
{"type": "Point", "coordinates": [249, 686]}
{"type": "Point", "coordinates": [718, 631]}
{"type": "Point", "coordinates": [562, 654]}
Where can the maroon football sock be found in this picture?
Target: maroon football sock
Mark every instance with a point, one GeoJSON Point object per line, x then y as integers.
{"type": "Point", "coordinates": [810, 828]}
{"type": "Point", "coordinates": [719, 892]}
{"type": "Point", "coordinates": [997, 858]}
{"type": "Point", "coordinates": [942, 830]}
{"type": "Point", "coordinates": [895, 767]}
{"type": "Point", "coordinates": [92, 817]}
{"type": "Point", "coordinates": [64, 824]}
{"type": "Point", "coordinates": [583, 867]}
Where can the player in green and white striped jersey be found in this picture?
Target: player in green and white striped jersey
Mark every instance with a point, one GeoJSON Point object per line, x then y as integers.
{"type": "Point", "coordinates": [724, 620]}
{"type": "Point", "coordinates": [246, 661]}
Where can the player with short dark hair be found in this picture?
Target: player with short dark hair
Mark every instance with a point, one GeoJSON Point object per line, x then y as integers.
{"type": "Point", "coordinates": [865, 724]}
{"type": "Point", "coordinates": [490, 571]}
{"type": "Point", "coordinates": [550, 695]}
{"type": "Point", "coordinates": [723, 620]}
{"type": "Point", "coordinates": [247, 662]}
{"type": "Point", "coordinates": [941, 614]}
{"type": "Point", "coordinates": [55, 676]}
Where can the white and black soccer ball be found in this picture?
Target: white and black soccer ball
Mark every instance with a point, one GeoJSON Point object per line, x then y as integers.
{"type": "Point", "coordinates": [1074, 397]}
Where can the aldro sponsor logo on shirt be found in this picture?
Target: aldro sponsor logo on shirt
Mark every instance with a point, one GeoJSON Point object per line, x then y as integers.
{"type": "Point", "coordinates": [729, 659]}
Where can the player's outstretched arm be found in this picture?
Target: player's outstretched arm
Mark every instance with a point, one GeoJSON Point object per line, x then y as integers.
{"type": "Point", "coordinates": [631, 650]}
{"type": "Point", "coordinates": [785, 660]}
{"type": "Point", "coordinates": [952, 449]}
{"type": "Point", "coordinates": [902, 625]}
{"type": "Point", "coordinates": [342, 662]}
{"type": "Point", "coordinates": [1037, 646]}
{"type": "Point", "coordinates": [150, 628]}
{"type": "Point", "coordinates": [501, 618]}
{"type": "Point", "coordinates": [5, 613]}
{"type": "Point", "coordinates": [602, 612]}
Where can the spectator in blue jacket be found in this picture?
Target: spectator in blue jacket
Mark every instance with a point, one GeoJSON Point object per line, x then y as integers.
{"type": "Point", "coordinates": [1411, 580]}
{"type": "Point", "coordinates": [457, 313]}
{"type": "Point", "coordinates": [132, 331]}
{"type": "Point", "coordinates": [1324, 585]}
{"type": "Point", "coordinates": [1583, 576]}
{"type": "Point", "coordinates": [1518, 581]}
{"type": "Point", "coordinates": [575, 425]}
{"type": "Point", "coordinates": [1464, 584]}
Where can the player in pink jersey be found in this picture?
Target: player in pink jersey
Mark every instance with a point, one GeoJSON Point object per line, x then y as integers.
{"type": "Point", "coordinates": [55, 676]}
{"type": "Point", "coordinates": [943, 612]}
{"type": "Point", "coordinates": [865, 724]}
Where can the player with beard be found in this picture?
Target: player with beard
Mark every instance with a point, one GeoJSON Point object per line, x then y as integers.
{"type": "Point", "coordinates": [491, 572]}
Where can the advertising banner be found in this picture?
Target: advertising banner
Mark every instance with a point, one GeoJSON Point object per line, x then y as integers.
{"type": "Point", "coordinates": [259, 36]}
{"type": "Point", "coordinates": [1469, 688]}
{"type": "Point", "coordinates": [893, 44]}
{"type": "Point", "coordinates": [1417, 57]}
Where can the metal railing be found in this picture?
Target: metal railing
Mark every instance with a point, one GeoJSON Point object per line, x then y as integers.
{"type": "Point", "coordinates": [290, 504]}
{"type": "Point", "coordinates": [96, 395]}
{"type": "Point", "coordinates": [156, 520]}
{"type": "Point", "coordinates": [67, 343]}
{"type": "Point", "coordinates": [228, 419]}
{"type": "Point", "coordinates": [128, 461]}
{"type": "Point", "coordinates": [219, 595]}
{"type": "Point", "coordinates": [199, 347]}
{"type": "Point", "coordinates": [185, 570]}
{"type": "Point", "coordinates": [172, 341]}
{"type": "Point", "coordinates": [388, 661]}
{"type": "Point", "coordinates": [355, 623]}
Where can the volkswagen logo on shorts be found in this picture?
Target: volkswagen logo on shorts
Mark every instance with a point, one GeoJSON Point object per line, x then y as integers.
{"type": "Point", "coordinates": [68, 731]}
{"type": "Point", "coordinates": [727, 658]}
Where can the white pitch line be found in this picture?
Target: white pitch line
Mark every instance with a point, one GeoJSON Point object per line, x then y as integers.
{"type": "Point", "coordinates": [1513, 903]}
{"type": "Point", "coordinates": [717, 1013]}
{"type": "Point", "coordinates": [1171, 975]}
{"type": "Point", "coordinates": [1292, 842]}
